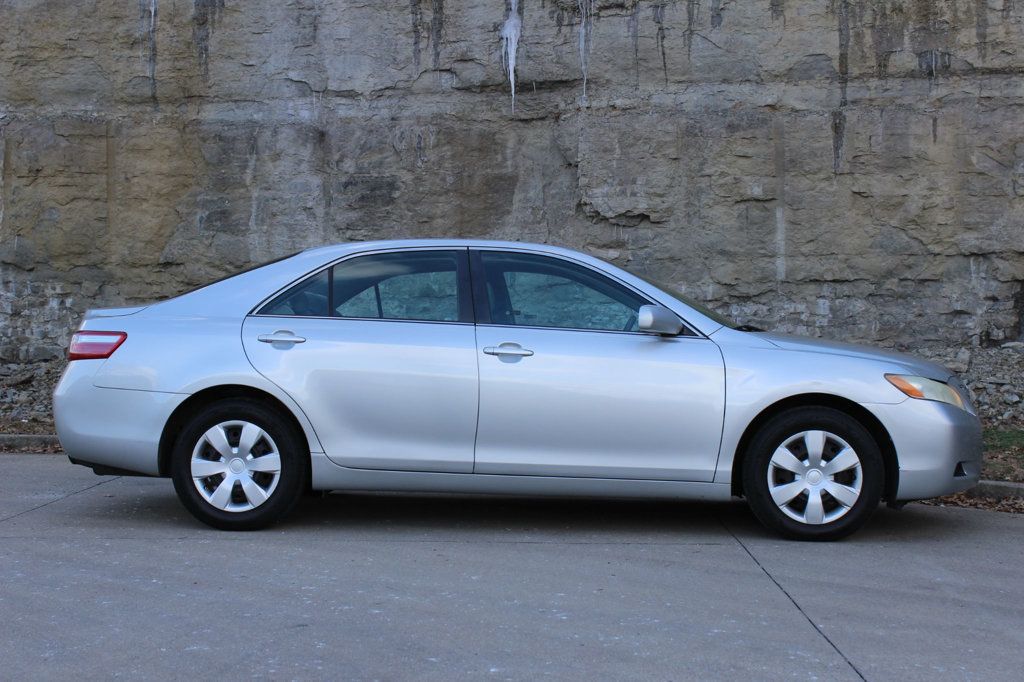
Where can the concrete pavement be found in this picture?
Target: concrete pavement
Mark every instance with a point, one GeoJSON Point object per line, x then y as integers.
{"type": "Point", "coordinates": [106, 576]}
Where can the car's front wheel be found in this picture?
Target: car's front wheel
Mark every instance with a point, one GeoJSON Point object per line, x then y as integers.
{"type": "Point", "coordinates": [239, 465]}
{"type": "Point", "coordinates": [813, 473]}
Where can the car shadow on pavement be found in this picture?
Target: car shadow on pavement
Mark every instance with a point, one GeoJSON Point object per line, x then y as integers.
{"type": "Point", "coordinates": [153, 504]}
{"type": "Point", "coordinates": [470, 513]}
{"type": "Point", "coordinates": [627, 518]}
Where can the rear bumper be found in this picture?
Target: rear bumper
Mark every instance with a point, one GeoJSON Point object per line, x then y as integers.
{"type": "Point", "coordinates": [110, 429]}
{"type": "Point", "coordinates": [938, 447]}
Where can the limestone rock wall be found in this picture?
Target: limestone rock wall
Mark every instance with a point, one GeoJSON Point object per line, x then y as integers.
{"type": "Point", "coordinates": [853, 168]}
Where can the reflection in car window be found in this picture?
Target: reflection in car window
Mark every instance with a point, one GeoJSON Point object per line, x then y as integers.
{"type": "Point", "coordinates": [538, 291]}
{"type": "Point", "coordinates": [418, 285]}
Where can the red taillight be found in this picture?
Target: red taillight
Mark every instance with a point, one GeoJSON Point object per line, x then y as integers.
{"type": "Point", "coordinates": [90, 345]}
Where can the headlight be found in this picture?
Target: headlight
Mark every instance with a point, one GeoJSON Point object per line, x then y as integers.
{"type": "Point", "coordinates": [926, 389]}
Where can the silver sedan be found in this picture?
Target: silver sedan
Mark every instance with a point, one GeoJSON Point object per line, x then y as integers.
{"type": "Point", "coordinates": [495, 367]}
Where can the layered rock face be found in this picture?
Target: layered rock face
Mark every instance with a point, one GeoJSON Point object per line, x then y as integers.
{"type": "Point", "coordinates": [851, 168]}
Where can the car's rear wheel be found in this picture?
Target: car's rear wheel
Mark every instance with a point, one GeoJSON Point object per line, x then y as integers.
{"type": "Point", "coordinates": [813, 473]}
{"type": "Point", "coordinates": [239, 465]}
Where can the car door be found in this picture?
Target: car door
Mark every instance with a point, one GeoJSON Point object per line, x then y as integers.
{"type": "Point", "coordinates": [569, 387]}
{"type": "Point", "coordinates": [379, 352]}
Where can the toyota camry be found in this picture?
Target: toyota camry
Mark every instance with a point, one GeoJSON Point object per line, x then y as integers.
{"type": "Point", "coordinates": [495, 367]}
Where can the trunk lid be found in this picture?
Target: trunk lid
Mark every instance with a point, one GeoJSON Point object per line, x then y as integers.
{"type": "Point", "coordinates": [97, 313]}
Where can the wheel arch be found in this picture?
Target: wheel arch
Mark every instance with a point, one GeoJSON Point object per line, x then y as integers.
{"type": "Point", "coordinates": [197, 401]}
{"type": "Point", "coordinates": [849, 407]}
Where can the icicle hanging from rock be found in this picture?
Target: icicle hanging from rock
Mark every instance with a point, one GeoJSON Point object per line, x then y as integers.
{"type": "Point", "coordinates": [586, 11]}
{"type": "Point", "coordinates": [510, 32]}
{"type": "Point", "coordinates": [148, 18]}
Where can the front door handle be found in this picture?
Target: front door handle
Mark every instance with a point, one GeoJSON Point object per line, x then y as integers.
{"type": "Point", "coordinates": [508, 349]}
{"type": "Point", "coordinates": [280, 336]}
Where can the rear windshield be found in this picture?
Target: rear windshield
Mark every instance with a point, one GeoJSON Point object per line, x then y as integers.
{"type": "Point", "coordinates": [239, 272]}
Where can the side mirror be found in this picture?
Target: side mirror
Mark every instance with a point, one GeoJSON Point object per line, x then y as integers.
{"type": "Point", "coordinates": [657, 319]}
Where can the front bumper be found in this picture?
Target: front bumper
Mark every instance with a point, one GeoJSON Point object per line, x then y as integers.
{"type": "Point", "coordinates": [938, 447]}
{"type": "Point", "coordinates": [110, 429]}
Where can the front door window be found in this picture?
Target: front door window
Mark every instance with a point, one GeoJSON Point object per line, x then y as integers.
{"type": "Point", "coordinates": [539, 291]}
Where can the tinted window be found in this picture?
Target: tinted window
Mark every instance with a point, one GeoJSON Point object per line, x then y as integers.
{"type": "Point", "coordinates": [413, 285]}
{"type": "Point", "coordinates": [308, 298]}
{"type": "Point", "coordinates": [538, 291]}
{"type": "Point", "coordinates": [419, 285]}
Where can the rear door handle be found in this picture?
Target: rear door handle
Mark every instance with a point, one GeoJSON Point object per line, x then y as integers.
{"type": "Point", "coordinates": [280, 336]}
{"type": "Point", "coordinates": [508, 349]}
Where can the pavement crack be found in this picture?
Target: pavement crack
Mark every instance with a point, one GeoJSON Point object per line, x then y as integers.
{"type": "Point", "coordinates": [64, 497]}
{"type": "Point", "coordinates": [794, 602]}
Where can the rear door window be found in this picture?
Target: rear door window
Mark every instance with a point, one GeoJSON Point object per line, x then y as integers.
{"type": "Point", "coordinates": [418, 285]}
{"type": "Point", "coordinates": [430, 286]}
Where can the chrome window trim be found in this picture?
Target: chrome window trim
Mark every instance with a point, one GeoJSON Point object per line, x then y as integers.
{"type": "Point", "coordinates": [359, 319]}
{"type": "Point", "coordinates": [695, 335]}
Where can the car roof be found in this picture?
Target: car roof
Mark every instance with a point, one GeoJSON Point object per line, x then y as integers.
{"type": "Point", "coordinates": [341, 249]}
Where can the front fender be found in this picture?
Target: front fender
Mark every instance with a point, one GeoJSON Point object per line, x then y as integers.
{"type": "Point", "coordinates": [758, 377]}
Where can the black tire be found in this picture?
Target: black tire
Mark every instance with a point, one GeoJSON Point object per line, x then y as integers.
{"type": "Point", "coordinates": [757, 466]}
{"type": "Point", "coordinates": [294, 465]}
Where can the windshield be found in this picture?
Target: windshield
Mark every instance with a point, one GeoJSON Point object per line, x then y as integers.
{"type": "Point", "coordinates": [699, 307]}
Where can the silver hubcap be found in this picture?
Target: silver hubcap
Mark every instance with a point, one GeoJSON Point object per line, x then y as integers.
{"type": "Point", "coordinates": [815, 477]}
{"type": "Point", "coordinates": [236, 466]}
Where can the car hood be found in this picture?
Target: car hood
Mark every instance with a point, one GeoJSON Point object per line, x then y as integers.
{"type": "Point", "coordinates": [913, 364]}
